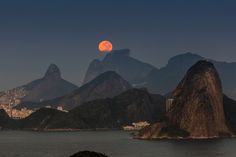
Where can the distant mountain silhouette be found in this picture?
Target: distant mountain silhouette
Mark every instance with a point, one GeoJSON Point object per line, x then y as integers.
{"type": "Point", "coordinates": [166, 79]}
{"type": "Point", "coordinates": [106, 85]}
{"type": "Point", "coordinates": [49, 87]}
{"type": "Point", "coordinates": [121, 62]}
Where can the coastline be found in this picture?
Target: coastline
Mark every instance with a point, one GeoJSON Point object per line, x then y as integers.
{"type": "Point", "coordinates": [185, 138]}
{"type": "Point", "coordinates": [63, 130]}
{"type": "Point", "coordinates": [132, 133]}
{"type": "Point", "coordinates": [76, 130]}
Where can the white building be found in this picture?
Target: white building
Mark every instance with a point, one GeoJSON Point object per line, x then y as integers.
{"type": "Point", "coordinates": [169, 103]}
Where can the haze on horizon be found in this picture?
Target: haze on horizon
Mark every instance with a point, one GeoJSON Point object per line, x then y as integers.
{"type": "Point", "coordinates": [34, 34]}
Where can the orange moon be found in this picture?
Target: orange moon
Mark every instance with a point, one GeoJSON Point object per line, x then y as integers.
{"type": "Point", "coordinates": [105, 46]}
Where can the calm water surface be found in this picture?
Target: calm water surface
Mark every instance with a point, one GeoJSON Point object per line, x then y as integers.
{"type": "Point", "coordinates": [112, 143]}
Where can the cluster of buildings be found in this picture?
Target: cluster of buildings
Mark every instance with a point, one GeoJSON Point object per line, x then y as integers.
{"type": "Point", "coordinates": [23, 112]}
{"type": "Point", "coordinates": [136, 126]}
{"type": "Point", "coordinates": [59, 108]}
{"type": "Point", "coordinates": [15, 113]}
{"type": "Point", "coordinates": [12, 97]}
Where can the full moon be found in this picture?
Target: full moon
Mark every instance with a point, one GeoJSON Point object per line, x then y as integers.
{"type": "Point", "coordinates": [105, 46]}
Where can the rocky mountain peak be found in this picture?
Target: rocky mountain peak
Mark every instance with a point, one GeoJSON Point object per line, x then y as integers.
{"type": "Point", "coordinates": [198, 103]}
{"type": "Point", "coordinates": [121, 52]}
{"type": "Point", "coordinates": [116, 55]}
{"type": "Point", "coordinates": [53, 72]}
{"type": "Point", "coordinates": [159, 80]}
{"type": "Point", "coordinates": [121, 62]}
{"type": "Point", "coordinates": [185, 59]}
{"type": "Point", "coordinates": [106, 85]}
{"type": "Point", "coordinates": [196, 110]}
{"type": "Point", "coordinates": [202, 67]}
{"type": "Point", "coordinates": [108, 75]}
{"type": "Point", "coordinates": [109, 80]}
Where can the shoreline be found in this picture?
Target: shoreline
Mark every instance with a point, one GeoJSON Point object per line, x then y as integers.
{"type": "Point", "coordinates": [77, 130]}
{"type": "Point", "coordinates": [184, 138]}
{"type": "Point", "coordinates": [63, 130]}
{"type": "Point", "coordinates": [132, 132]}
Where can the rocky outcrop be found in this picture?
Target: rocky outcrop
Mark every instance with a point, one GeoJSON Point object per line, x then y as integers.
{"type": "Point", "coordinates": [122, 63]}
{"type": "Point", "coordinates": [197, 109]}
{"type": "Point", "coordinates": [106, 85]}
{"type": "Point", "coordinates": [198, 103]}
{"type": "Point", "coordinates": [53, 72]}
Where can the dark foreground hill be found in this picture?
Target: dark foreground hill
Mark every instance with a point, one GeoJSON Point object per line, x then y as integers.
{"type": "Point", "coordinates": [131, 106]}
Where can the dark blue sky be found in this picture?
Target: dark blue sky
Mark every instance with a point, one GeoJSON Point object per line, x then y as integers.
{"type": "Point", "coordinates": [34, 34]}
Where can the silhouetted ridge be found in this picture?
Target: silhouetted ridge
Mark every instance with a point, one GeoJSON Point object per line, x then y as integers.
{"type": "Point", "coordinates": [122, 63]}
{"type": "Point", "coordinates": [185, 58]}
{"type": "Point", "coordinates": [48, 87]}
{"type": "Point", "coordinates": [53, 71]}
{"type": "Point", "coordinates": [108, 75]}
{"type": "Point", "coordinates": [164, 80]}
{"type": "Point", "coordinates": [201, 67]}
{"type": "Point", "coordinates": [106, 85]}
{"type": "Point", "coordinates": [122, 52]}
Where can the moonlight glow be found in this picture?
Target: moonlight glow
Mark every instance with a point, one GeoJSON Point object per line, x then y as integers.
{"type": "Point", "coordinates": [105, 46]}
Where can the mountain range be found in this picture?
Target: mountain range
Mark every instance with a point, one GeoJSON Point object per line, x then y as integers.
{"type": "Point", "coordinates": [51, 89]}
{"type": "Point", "coordinates": [163, 80]}
{"type": "Point", "coordinates": [106, 85]}
{"type": "Point", "coordinates": [199, 106]}
{"type": "Point", "coordinates": [198, 110]}
{"type": "Point", "coordinates": [120, 61]}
